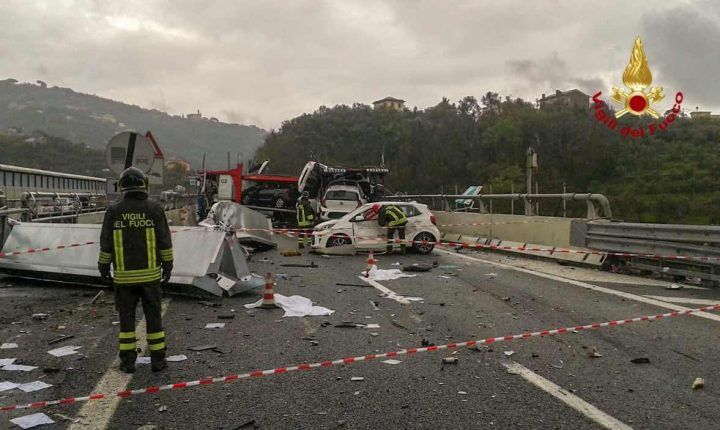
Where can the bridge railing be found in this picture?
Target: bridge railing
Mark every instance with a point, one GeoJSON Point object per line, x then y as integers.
{"type": "Point", "coordinates": [598, 206]}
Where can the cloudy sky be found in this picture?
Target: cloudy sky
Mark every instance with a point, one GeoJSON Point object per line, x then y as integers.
{"type": "Point", "coordinates": [261, 62]}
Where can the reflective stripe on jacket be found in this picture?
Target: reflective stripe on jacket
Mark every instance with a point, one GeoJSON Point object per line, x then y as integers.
{"type": "Point", "coordinates": [393, 216]}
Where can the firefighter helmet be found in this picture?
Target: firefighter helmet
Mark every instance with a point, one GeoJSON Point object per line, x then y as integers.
{"type": "Point", "coordinates": [133, 179]}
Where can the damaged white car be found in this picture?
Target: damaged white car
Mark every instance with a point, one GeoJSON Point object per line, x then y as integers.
{"type": "Point", "coordinates": [359, 230]}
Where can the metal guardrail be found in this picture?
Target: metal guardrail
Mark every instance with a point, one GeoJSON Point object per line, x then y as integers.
{"type": "Point", "coordinates": [598, 206]}
{"type": "Point", "coordinates": [660, 239]}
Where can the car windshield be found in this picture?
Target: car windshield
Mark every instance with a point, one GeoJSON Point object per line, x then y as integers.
{"type": "Point", "coordinates": [342, 195]}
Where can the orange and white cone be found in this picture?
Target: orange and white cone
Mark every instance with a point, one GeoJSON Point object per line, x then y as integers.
{"type": "Point", "coordinates": [268, 301]}
{"type": "Point", "coordinates": [370, 263]}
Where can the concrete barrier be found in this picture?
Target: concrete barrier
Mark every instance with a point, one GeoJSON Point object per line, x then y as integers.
{"type": "Point", "coordinates": [515, 231]}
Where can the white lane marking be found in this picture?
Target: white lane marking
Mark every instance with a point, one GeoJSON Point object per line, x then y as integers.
{"type": "Point", "coordinates": [97, 415]}
{"type": "Point", "coordinates": [703, 302]}
{"type": "Point", "coordinates": [387, 292]}
{"type": "Point", "coordinates": [570, 399]}
{"type": "Point", "coordinates": [622, 294]}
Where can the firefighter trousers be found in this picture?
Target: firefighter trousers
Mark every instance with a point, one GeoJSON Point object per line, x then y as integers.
{"type": "Point", "coordinates": [126, 300]}
{"type": "Point", "coordinates": [401, 235]}
{"type": "Point", "coordinates": [305, 237]}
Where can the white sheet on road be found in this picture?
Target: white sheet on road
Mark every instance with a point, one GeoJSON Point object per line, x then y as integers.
{"type": "Point", "coordinates": [18, 367]}
{"type": "Point", "coordinates": [8, 346]}
{"type": "Point", "coordinates": [295, 306]}
{"type": "Point", "coordinates": [64, 350]}
{"type": "Point", "coordinates": [376, 274]}
{"type": "Point", "coordinates": [6, 361]}
{"type": "Point", "coordinates": [34, 386]}
{"type": "Point", "coordinates": [7, 385]}
{"type": "Point", "coordinates": [34, 420]}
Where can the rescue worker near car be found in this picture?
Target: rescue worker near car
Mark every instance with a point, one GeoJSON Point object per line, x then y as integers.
{"type": "Point", "coordinates": [135, 238]}
{"type": "Point", "coordinates": [305, 220]}
{"type": "Point", "coordinates": [393, 219]}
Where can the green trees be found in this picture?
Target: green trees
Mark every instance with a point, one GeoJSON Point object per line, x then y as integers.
{"type": "Point", "coordinates": [670, 177]}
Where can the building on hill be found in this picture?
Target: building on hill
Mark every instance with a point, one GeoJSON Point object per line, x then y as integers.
{"type": "Point", "coordinates": [195, 116]}
{"type": "Point", "coordinates": [389, 103]}
{"type": "Point", "coordinates": [570, 99]}
{"type": "Point", "coordinates": [704, 114]}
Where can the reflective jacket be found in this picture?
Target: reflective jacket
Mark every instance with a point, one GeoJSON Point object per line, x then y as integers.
{"type": "Point", "coordinates": [391, 216]}
{"type": "Point", "coordinates": [305, 214]}
{"type": "Point", "coordinates": [135, 237]}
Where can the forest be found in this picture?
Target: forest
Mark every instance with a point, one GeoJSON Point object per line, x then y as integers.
{"type": "Point", "coordinates": [671, 177]}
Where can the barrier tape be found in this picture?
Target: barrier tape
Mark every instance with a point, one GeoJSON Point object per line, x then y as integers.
{"type": "Point", "coordinates": [349, 360]}
{"type": "Point", "coordinates": [59, 247]}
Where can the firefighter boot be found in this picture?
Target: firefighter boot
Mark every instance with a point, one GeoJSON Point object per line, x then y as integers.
{"type": "Point", "coordinates": [158, 361]}
{"type": "Point", "coordinates": [127, 361]}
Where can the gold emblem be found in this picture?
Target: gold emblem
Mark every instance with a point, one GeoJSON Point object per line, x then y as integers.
{"type": "Point", "coordinates": [637, 78]}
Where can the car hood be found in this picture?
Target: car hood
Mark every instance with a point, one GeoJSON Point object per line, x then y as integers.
{"type": "Point", "coordinates": [326, 224]}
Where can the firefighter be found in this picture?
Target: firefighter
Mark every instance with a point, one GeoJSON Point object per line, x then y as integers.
{"type": "Point", "coordinates": [135, 238]}
{"type": "Point", "coordinates": [305, 220]}
{"type": "Point", "coordinates": [393, 219]}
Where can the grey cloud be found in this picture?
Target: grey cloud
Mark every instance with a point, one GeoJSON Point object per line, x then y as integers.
{"type": "Point", "coordinates": [551, 73]}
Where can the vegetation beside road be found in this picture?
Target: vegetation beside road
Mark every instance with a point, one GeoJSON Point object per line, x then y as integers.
{"type": "Point", "coordinates": [671, 177]}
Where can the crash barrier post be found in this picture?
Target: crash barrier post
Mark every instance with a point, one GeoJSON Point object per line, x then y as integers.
{"type": "Point", "coordinates": [268, 301]}
{"type": "Point", "coordinates": [349, 360]}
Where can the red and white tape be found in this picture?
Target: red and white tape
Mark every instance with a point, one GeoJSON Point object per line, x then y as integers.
{"type": "Point", "coordinates": [58, 247]}
{"type": "Point", "coordinates": [350, 360]}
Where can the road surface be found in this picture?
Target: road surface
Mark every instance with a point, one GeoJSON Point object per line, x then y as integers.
{"type": "Point", "coordinates": [550, 382]}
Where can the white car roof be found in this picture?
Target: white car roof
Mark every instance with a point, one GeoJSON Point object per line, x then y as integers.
{"type": "Point", "coordinates": [343, 188]}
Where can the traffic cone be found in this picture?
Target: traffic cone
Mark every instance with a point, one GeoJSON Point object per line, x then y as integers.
{"type": "Point", "coordinates": [268, 301]}
{"type": "Point", "coordinates": [370, 263]}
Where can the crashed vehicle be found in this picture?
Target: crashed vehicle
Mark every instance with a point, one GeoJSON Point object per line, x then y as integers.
{"type": "Point", "coordinates": [359, 230]}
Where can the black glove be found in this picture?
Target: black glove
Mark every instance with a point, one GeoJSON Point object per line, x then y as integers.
{"type": "Point", "coordinates": [166, 272]}
{"type": "Point", "coordinates": [104, 269]}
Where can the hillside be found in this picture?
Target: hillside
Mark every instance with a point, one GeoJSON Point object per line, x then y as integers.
{"type": "Point", "coordinates": [670, 177]}
{"type": "Point", "coordinates": [52, 153]}
{"type": "Point", "coordinates": [92, 120]}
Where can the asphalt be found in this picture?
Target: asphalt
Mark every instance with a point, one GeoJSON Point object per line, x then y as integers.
{"type": "Point", "coordinates": [471, 300]}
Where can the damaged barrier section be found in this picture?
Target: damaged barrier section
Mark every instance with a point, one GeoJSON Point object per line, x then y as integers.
{"type": "Point", "coordinates": [207, 262]}
{"type": "Point", "coordinates": [349, 360]}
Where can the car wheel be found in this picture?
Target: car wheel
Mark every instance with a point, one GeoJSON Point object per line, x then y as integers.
{"type": "Point", "coordinates": [246, 199]}
{"type": "Point", "coordinates": [338, 240]}
{"type": "Point", "coordinates": [423, 248]}
{"type": "Point", "coordinates": [279, 203]}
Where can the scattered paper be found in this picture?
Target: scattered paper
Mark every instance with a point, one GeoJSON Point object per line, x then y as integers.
{"type": "Point", "coordinates": [225, 283]}
{"type": "Point", "coordinates": [295, 306]}
{"type": "Point", "coordinates": [175, 358]}
{"type": "Point", "coordinates": [492, 275]}
{"type": "Point", "coordinates": [6, 361]}
{"type": "Point", "coordinates": [34, 420]}
{"type": "Point", "coordinates": [142, 360]}
{"type": "Point", "coordinates": [509, 353]}
{"type": "Point", "coordinates": [19, 367]}
{"type": "Point", "coordinates": [7, 385]}
{"type": "Point", "coordinates": [214, 325]}
{"type": "Point", "coordinates": [357, 378]}
{"type": "Point", "coordinates": [34, 386]}
{"type": "Point", "coordinates": [462, 393]}
{"type": "Point", "coordinates": [391, 361]}
{"type": "Point", "coordinates": [64, 350]}
{"type": "Point", "coordinates": [375, 274]}
{"type": "Point", "coordinates": [8, 346]}
{"type": "Point", "coordinates": [372, 326]}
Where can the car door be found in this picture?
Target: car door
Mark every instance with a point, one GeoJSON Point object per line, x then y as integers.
{"type": "Point", "coordinates": [367, 233]}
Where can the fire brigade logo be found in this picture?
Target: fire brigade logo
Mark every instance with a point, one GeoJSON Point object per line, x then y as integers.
{"type": "Point", "coordinates": [638, 78]}
{"type": "Point", "coordinates": [637, 99]}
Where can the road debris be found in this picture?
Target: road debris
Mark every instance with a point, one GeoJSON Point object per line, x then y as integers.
{"type": "Point", "coordinates": [7, 386]}
{"type": "Point", "coordinates": [34, 386]}
{"type": "Point", "coordinates": [698, 383]}
{"type": "Point", "coordinates": [357, 378]}
{"type": "Point", "coordinates": [391, 361]}
{"type": "Point", "coordinates": [34, 420]}
{"type": "Point", "coordinates": [214, 325]}
{"type": "Point", "coordinates": [312, 265]}
{"type": "Point", "coordinates": [162, 408]}
{"type": "Point", "coordinates": [640, 360]}
{"type": "Point", "coordinates": [176, 358]}
{"type": "Point", "coordinates": [6, 361]}
{"type": "Point", "coordinates": [675, 287]}
{"type": "Point", "coordinates": [226, 316]}
{"type": "Point", "coordinates": [67, 418]}
{"type": "Point", "coordinates": [202, 347]}
{"type": "Point", "coordinates": [560, 366]}
{"type": "Point", "coordinates": [290, 253]}
{"type": "Point", "coordinates": [283, 276]}
{"type": "Point", "coordinates": [348, 324]}
{"type": "Point", "coordinates": [397, 324]}
{"type": "Point", "coordinates": [97, 296]}
{"type": "Point", "coordinates": [509, 353]}
{"type": "Point", "coordinates": [18, 368]}
{"type": "Point", "coordinates": [450, 360]}
{"type": "Point", "coordinates": [462, 393]}
{"type": "Point", "coordinates": [372, 325]}
{"type": "Point", "coordinates": [295, 306]}
{"type": "Point", "coordinates": [210, 304]}
{"type": "Point", "coordinates": [60, 339]}
{"type": "Point", "coordinates": [40, 317]}
{"type": "Point", "coordinates": [375, 274]}
{"type": "Point", "coordinates": [417, 267]}
{"type": "Point", "coordinates": [64, 350]}
{"type": "Point", "coordinates": [492, 275]}
{"type": "Point", "coordinates": [342, 284]}
{"type": "Point", "coordinates": [8, 346]}
{"type": "Point", "coordinates": [593, 352]}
